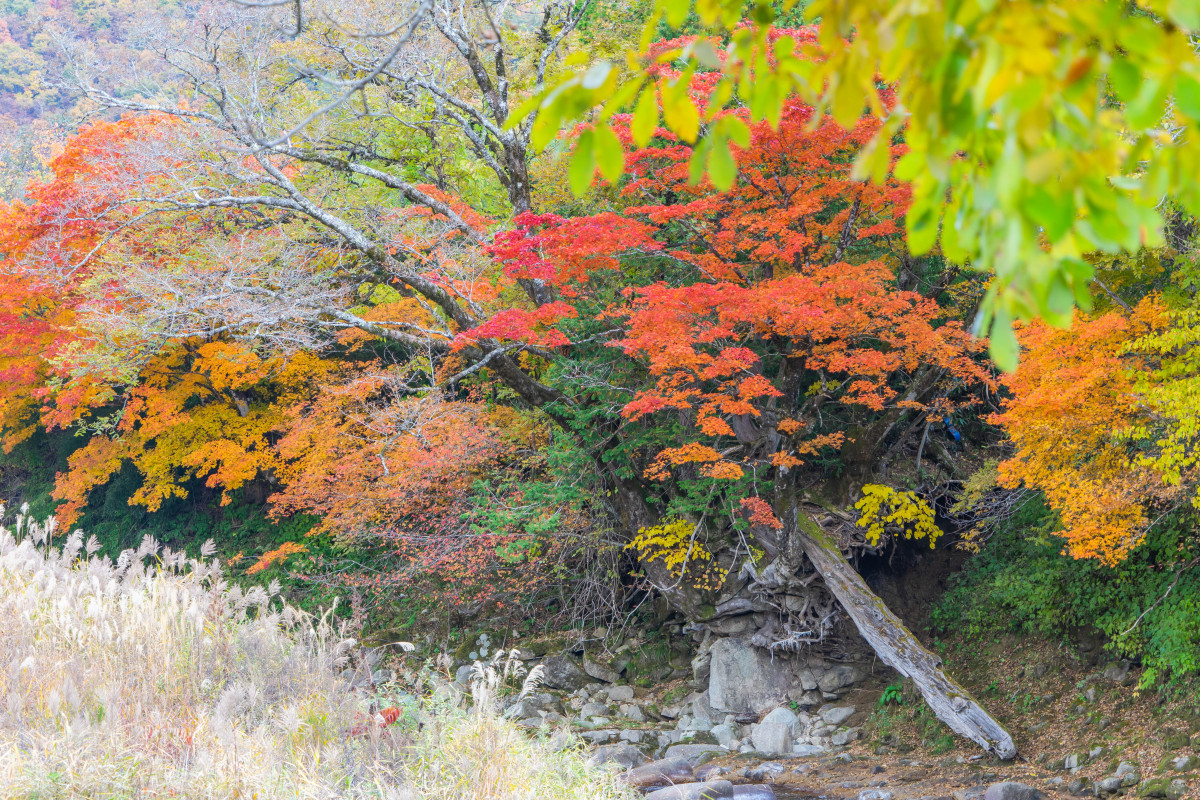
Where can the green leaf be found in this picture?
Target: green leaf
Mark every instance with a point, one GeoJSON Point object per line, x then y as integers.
{"type": "Point", "coordinates": [522, 111]}
{"type": "Point", "coordinates": [620, 99]}
{"type": "Point", "coordinates": [696, 162]}
{"type": "Point", "coordinates": [1003, 346]}
{"type": "Point", "coordinates": [722, 169]}
{"type": "Point", "coordinates": [645, 116]}
{"type": "Point", "coordinates": [1054, 213]}
{"type": "Point", "coordinates": [596, 75]}
{"type": "Point", "coordinates": [922, 224]}
{"type": "Point", "coordinates": [610, 155]}
{"type": "Point", "coordinates": [583, 163]}
{"type": "Point", "coordinates": [703, 51]}
{"type": "Point", "coordinates": [1185, 13]}
{"type": "Point", "coordinates": [676, 11]}
{"type": "Point", "coordinates": [1187, 97]}
{"type": "Point", "coordinates": [679, 111]}
{"type": "Point", "coordinates": [738, 131]}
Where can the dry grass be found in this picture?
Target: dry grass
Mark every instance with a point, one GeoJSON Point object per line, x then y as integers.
{"type": "Point", "coordinates": [154, 677]}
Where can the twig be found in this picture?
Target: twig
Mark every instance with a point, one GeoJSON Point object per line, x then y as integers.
{"type": "Point", "coordinates": [1154, 605]}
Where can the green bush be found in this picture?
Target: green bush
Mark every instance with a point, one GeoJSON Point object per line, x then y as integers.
{"type": "Point", "coordinates": [1022, 583]}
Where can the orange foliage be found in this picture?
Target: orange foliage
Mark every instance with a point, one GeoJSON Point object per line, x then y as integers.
{"type": "Point", "coordinates": [1074, 398]}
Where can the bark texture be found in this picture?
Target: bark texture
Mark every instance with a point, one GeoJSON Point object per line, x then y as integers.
{"type": "Point", "coordinates": [896, 645]}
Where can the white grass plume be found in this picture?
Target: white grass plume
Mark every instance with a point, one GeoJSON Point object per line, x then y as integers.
{"type": "Point", "coordinates": [152, 676]}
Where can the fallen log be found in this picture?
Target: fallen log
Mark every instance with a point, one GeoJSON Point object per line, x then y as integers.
{"type": "Point", "coordinates": [895, 643]}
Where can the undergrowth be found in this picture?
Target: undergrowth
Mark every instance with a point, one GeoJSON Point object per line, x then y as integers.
{"type": "Point", "coordinates": [1144, 608]}
{"type": "Point", "coordinates": [152, 676]}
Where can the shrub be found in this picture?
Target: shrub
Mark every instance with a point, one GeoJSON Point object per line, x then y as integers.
{"type": "Point", "coordinates": [1021, 582]}
{"type": "Point", "coordinates": [153, 676]}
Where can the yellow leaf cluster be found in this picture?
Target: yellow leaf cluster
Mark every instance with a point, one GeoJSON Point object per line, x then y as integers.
{"type": "Point", "coordinates": [674, 545]}
{"type": "Point", "coordinates": [882, 507]}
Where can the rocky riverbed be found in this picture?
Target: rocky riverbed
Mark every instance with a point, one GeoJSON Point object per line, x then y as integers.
{"type": "Point", "coordinates": [754, 726]}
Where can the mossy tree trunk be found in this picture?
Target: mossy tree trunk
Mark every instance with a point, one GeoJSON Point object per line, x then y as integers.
{"type": "Point", "coordinates": [894, 642]}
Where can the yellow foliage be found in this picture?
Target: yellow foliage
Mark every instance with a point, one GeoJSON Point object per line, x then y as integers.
{"type": "Point", "coordinates": [882, 506]}
{"type": "Point", "coordinates": [674, 545]}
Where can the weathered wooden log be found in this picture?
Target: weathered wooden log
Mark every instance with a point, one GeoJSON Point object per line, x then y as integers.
{"type": "Point", "coordinates": [895, 643]}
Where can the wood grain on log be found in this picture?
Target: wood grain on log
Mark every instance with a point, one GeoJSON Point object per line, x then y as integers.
{"type": "Point", "coordinates": [896, 645]}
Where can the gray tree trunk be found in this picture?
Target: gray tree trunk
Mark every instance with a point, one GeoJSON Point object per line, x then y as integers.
{"type": "Point", "coordinates": [895, 643]}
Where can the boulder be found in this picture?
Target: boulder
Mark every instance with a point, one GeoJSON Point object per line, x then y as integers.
{"type": "Point", "coordinates": [663, 772]}
{"type": "Point", "coordinates": [1118, 672]}
{"type": "Point", "coordinates": [835, 715]}
{"type": "Point", "coordinates": [709, 790]}
{"type": "Point", "coordinates": [874, 794]}
{"type": "Point", "coordinates": [620, 694]}
{"type": "Point", "coordinates": [752, 792]}
{"type": "Point", "coordinates": [462, 675]}
{"type": "Point", "coordinates": [1185, 763]}
{"type": "Point", "coordinates": [727, 734]}
{"type": "Point", "coordinates": [1128, 773]}
{"type": "Point", "coordinates": [1175, 789]}
{"type": "Point", "coordinates": [776, 733]}
{"type": "Point", "coordinates": [839, 677]}
{"type": "Point", "coordinates": [623, 754]}
{"type": "Point", "coordinates": [844, 737]}
{"type": "Point", "coordinates": [593, 710]}
{"type": "Point", "coordinates": [632, 712]}
{"type": "Point", "coordinates": [560, 672]}
{"type": "Point", "coordinates": [807, 750]}
{"type": "Point", "coordinates": [1109, 785]}
{"type": "Point", "coordinates": [745, 679]}
{"type": "Point", "coordinates": [1011, 790]}
{"type": "Point", "coordinates": [692, 753]}
{"type": "Point", "coordinates": [599, 671]}
{"type": "Point", "coordinates": [1080, 787]}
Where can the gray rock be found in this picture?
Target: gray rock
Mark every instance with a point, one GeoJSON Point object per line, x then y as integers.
{"type": "Point", "coordinates": [806, 750]}
{"type": "Point", "coordinates": [593, 710]}
{"type": "Point", "coordinates": [727, 735]}
{"type": "Point", "coordinates": [835, 715]}
{"type": "Point", "coordinates": [660, 773]}
{"type": "Point", "coordinates": [620, 694]}
{"type": "Point", "coordinates": [1075, 761]}
{"type": "Point", "coordinates": [1110, 785]}
{"type": "Point", "coordinates": [1177, 789]}
{"type": "Point", "coordinates": [701, 668]}
{"type": "Point", "coordinates": [746, 679]}
{"type": "Point", "coordinates": [745, 792]}
{"type": "Point", "coordinates": [1184, 763]}
{"type": "Point", "coordinates": [766, 771]}
{"type": "Point", "coordinates": [776, 732]}
{"type": "Point", "coordinates": [462, 675]}
{"type": "Point", "coordinates": [623, 754]}
{"type": "Point", "coordinates": [839, 677]}
{"type": "Point", "coordinates": [709, 790]}
{"type": "Point", "coordinates": [1118, 672]}
{"type": "Point", "coordinates": [1011, 790]}
{"type": "Point", "coordinates": [970, 793]}
{"type": "Point", "coordinates": [599, 736]}
{"type": "Point", "coordinates": [692, 753]}
{"type": "Point", "coordinates": [874, 794]}
{"type": "Point", "coordinates": [561, 673]}
{"type": "Point", "coordinates": [631, 712]}
{"type": "Point", "coordinates": [1080, 787]}
{"type": "Point", "coordinates": [710, 772]}
{"type": "Point", "coordinates": [842, 738]}
{"type": "Point", "coordinates": [599, 671]}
